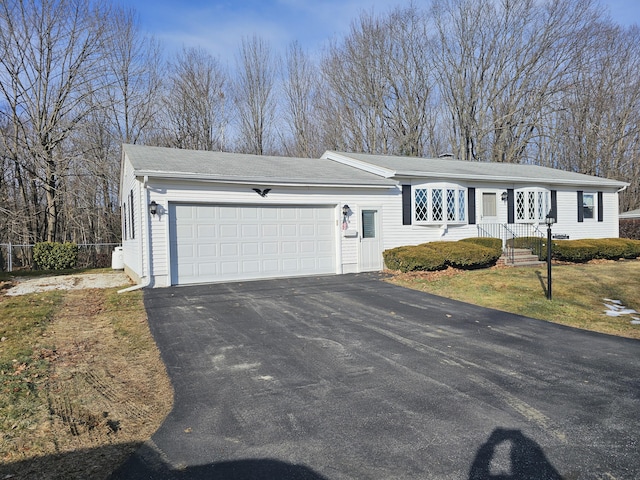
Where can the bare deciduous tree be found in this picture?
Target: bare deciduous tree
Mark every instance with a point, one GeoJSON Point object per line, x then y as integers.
{"type": "Point", "coordinates": [52, 55]}
{"type": "Point", "coordinates": [195, 102]}
{"type": "Point", "coordinates": [300, 85]}
{"type": "Point", "coordinates": [254, 95]}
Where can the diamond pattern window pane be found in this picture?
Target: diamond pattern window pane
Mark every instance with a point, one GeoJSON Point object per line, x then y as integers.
{"type": "Point", "coordinates": [541, 209]}
{"type": "Point", "coordinates": [451, 205]}
{"type": "Point", "coordinates": [422, 207]}
{"type": "Point", "coordinates": [520, 209]}
{"type": "Point", "coordinates": [462, 209]}
{"type": "Point", "coordinates": [532, 205]}
{"type": "Point", "coordinates": [436, 205]}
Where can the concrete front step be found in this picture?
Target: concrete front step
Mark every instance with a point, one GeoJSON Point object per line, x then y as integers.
{"type": "Point", "coordinates": [521, 258]}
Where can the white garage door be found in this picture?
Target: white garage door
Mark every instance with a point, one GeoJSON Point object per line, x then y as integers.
{"type": "Point", "coordinates": [213, 243]}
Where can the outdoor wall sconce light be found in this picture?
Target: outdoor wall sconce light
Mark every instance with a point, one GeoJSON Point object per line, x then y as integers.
{"type": "Point", "coordinates": [345, 210]}
{"type": "Point", "coordinates": [153, 207]}
{"type": "Point", "coordinates": [504, 196]}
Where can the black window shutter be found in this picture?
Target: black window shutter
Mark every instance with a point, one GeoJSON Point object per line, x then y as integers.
{"type": "Point", "coordinates": [600, 207]}
{"type": "Point", "coordinates": [580, 206]}
{"type": "Point", "coordinates": [406, 204]}
{"type": "Point", "coordinates": [554, 204]}
{"type": "Point", "coordinates": [471, 203]}
{"type": "Point", "coordinates": [511, 211]}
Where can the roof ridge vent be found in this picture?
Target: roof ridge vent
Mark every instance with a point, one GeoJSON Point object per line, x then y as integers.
{"type": "Point", "coordinates": [446, 155]}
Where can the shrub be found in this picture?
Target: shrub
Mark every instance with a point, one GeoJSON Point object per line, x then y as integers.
{"type": "Point", "coordinates": [614, 248]}
{"type": "Point", "coordinates": [589, 249]}
{"type": "Point", "coordinates": [413, 258]}
{"type": "Point", "coordinates": [466, 255]}
{"type": "Point", "coordinates": [438, 255]}
{"type": "Point", "coordinates": [577, 251]}
{"type": "Point", "coordinates": [493, 243]}
{"type": "Point", "coordinates": [55, 256]}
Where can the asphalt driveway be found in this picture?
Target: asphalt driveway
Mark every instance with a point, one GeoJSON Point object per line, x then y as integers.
{"type": "Point", "coordinates": [347, 376]}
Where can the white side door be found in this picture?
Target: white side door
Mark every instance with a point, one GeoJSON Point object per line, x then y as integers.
{"type": "Point", "coordinates": [370, 241]}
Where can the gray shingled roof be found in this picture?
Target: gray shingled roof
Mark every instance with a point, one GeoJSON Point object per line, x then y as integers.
{"type": "Point", "coordinates": [631, 214]}
{"type": "Point", "coordinates": [447, 168]}
{"type": "Point", "coordinates": [242, 168]}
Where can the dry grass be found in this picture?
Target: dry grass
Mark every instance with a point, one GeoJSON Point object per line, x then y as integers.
{"type": "Point", "coordinates": [578, 292]}
{"type": "Point", "coordinates": [82, 383]}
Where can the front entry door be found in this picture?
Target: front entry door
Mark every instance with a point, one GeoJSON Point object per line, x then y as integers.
{"type": "Point", "coordinates": [370, 245]}
{"type": "Point", "coordinates": [489, 208]}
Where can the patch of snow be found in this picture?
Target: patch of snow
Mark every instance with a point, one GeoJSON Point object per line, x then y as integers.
{"type": "Point", "coordinates": [615, 308]}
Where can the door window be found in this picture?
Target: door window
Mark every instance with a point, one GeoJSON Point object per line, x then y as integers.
{"type": "Point", "coordinates": [368, 224]}
{"type": "Point", "coordinates": [488, 204]}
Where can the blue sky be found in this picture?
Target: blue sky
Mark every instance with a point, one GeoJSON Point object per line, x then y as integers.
{"type": "Point", "coordinates": [218, 26]}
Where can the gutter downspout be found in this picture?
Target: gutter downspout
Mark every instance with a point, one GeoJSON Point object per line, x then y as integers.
{"type": "Point", "coordinates": [147, 230]}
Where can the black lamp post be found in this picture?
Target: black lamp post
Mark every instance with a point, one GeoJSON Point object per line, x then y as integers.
{"type": "Point", "coordinates": [549, 220]}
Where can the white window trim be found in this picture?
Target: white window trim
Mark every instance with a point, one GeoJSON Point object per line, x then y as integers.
{"type": "Point", "coordinates": [443, 187]}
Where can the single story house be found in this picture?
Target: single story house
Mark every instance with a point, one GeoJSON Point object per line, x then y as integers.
{"type": "Point", "coordinates": [198, 217]}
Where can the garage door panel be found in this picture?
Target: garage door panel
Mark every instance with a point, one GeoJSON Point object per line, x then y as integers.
{"type": "Point", "coordinates": [250, 248]}
{"type": "Point", "coordinates": [288, 214]}
{"type": "Point", "coordinates": [229, 213]}
{"type": "Point", "coordinates": [229, 250]}
{"type": "Point", "coordinates": [229, 231]}
{"type": "Point", "coordinates": [288, 230]}
{"type": "Point", "coordinates": [270, 248]}
{"type": "Point", "coordinates": [248, 213]}
{"type": "Point", "coordinates": [211, 243]}
{"type": "Point", "coordinates": [229, 268]}
{"type": "Point", "coordinates": [307, 247]}
{"type": "Point", "coordinates": [308, 230]}
{"type": "Point", "coordinates": [289, 248]}
{"type": "Point", "coordinates": [187, 251]}
{"type": "Point", "coordinates": [269, 230]}
{"type": "Point", "coordinates": [250, 231]}
{"type": "Point", "coordinates": [290, 265]}
{"type": "Point", "coordinates": [205, 231]}
{"type": "Point", "coordinates": [203, 213]}
{"type": "Point", "coordinates": [269, 213]}
{"type": "Point", "coordinates": [271, 266]}
{"type": "Point", "coordinates": [207, 269]}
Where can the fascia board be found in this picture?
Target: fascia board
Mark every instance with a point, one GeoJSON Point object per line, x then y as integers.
{"type": "Point", "coordinates": [360, 165]}
{"type": "Point", "coordinates": [123, 160]}
{"type": "Point", "coordinates": [505, 179]}
{"type": "Point", "coordinates": [257, 181]}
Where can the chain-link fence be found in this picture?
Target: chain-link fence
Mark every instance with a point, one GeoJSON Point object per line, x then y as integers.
{"type": "Point", "coordinates": [20, 257]}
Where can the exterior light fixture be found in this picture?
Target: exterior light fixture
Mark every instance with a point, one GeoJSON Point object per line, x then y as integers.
{"type": "Point", "coordinates": [345, 210]}
{"type": "Point", "coordinates": [153, 207]}
{"type": "Point", "coordinates": [549, 220]}
{"type": "Point", "coordinates": [504, 196]}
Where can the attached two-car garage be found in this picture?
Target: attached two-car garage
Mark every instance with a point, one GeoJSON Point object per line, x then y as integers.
{"type": "Point", "coordinates": [217, 242]}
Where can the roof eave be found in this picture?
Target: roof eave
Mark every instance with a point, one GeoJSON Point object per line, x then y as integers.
{"type": "Point", "coordinates": [508, 179]}
{"type": "Point", "coordinates": [259, 181]}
